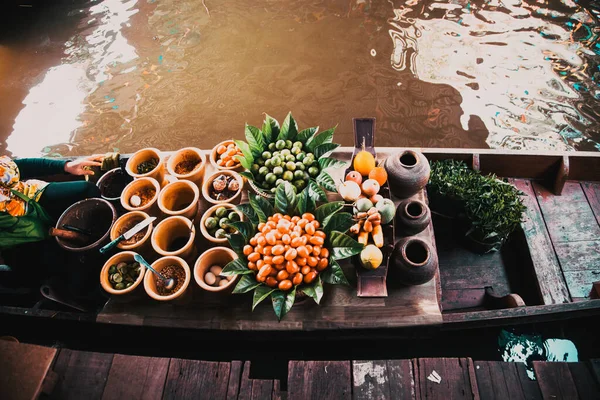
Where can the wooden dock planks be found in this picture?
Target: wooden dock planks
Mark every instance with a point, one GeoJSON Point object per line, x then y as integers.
{"type": "Point", "coordinates": [134, 377]}
{"type": "Point", "coordinates": [458, 379]}
{"type": "Point", "coordinates": [319, 380]}
{"type": "Point", "coordinates": [575, 233]}
{"type": "Point", "coordinates": [81, 374]}
{"type": "Point", "coordinates": [382, 379]}
{"type": "Point", "coordinates": [550, 280]}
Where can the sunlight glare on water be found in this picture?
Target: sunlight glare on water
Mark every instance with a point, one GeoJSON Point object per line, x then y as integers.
{"type": "Point", "coordinates": [169, 74]}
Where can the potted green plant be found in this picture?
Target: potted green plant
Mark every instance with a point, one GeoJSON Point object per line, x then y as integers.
{"type": "Point", "coordinates": [275, 154]}
{"type": "Point", "coordinates": [289, 247]}
{"type": "Point", "coordinates": [487, 209]}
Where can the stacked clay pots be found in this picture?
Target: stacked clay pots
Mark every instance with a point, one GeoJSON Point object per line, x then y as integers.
{"type": "Point", "coordinates": [414, 259]}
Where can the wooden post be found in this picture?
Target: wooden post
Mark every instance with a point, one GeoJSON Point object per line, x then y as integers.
{"type": "Point", "coordinates": [561, 176]}
{"type": "Point", "coordinates": [476, 163]}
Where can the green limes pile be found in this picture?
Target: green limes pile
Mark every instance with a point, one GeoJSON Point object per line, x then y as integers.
{"type": "Point", "coordinates": [216, 225]}
{"type": "Point", "coordinates": [284, 161]}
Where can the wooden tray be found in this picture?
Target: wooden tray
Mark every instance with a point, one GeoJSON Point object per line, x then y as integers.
{"type": "Point", "coordinates": [372, 283]}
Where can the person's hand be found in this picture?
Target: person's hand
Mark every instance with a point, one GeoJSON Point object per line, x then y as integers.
{"type": "Point", "coordinates": [78, 167]}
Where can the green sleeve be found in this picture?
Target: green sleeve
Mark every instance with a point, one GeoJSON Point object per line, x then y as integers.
{"type": "Point", "coordinates": [39, 167]}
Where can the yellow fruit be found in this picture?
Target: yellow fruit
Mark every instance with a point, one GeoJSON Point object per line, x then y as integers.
{"type": "Point", "coordinates": [364, 162]}
{"type": "Point", "coordinates": [371, 257]}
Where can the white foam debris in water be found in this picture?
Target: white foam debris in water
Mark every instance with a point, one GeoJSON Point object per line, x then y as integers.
{"type": "Point", "coordinates": [373, 52]}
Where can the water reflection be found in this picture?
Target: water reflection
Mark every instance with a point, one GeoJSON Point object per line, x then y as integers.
{"type": "Point", "coordinates": [456, 73]}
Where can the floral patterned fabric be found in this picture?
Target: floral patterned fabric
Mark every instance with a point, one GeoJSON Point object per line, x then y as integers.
{"type": "Point", "coordinates": [10, 178]}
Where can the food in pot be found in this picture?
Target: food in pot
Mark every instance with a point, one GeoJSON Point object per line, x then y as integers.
{"type": "Point", "coordinates": [135, 238]}
{"type": "Point", "coordinates": [224, 187]}
{"type": "Point", "coordinates": [212, 277]}
{"type": "Point", "coordinates": [123, 275]}
{"type": "Point", "coordinates": [142, 197]}
{"type": "Point", "coordinates": [147, 166]}
{"type": "Point", "coordinates": [187, 165]}
{"type": "Point", "coordinates": [217, 223]}
{"type": "Point", "coordinates": [170, 271]}
{"type": "Point", "coordinates": [287, 251]}
{"type": "Point", "coordinates": [226, 155]}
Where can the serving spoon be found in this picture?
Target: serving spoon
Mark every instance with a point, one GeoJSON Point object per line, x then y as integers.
{"type": "Point", "coordinates": [168, 283]}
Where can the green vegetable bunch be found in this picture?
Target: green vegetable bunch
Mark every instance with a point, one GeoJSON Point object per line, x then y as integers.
{"type": "Point", "coordinates": [275, 154]}
{"type": "Point", "coordinates": [492, 206]}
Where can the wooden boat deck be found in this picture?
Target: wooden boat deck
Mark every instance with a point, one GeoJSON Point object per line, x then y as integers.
{"type": "Point", "coordinates": [70, 374]}
{"type": "Point", "coordinates": [547, 270]}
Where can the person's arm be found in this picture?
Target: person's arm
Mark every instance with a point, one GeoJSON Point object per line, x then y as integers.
{"type": "Point", "coordinates": [39, 167]}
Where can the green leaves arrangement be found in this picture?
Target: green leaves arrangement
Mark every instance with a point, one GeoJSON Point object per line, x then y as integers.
{"type": "Point", "coordinates": [274, 154]}
{"type": "Point", "coordinates": [332, 221]}
{"type": "Point", "coordinates": [492, 206]}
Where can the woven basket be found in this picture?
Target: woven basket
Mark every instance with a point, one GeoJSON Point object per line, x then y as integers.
{"type": "Point", "coordinates": [259, 191]}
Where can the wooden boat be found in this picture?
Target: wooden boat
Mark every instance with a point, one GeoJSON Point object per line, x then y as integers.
{"type": "Point", "coordinates": [549, 270]}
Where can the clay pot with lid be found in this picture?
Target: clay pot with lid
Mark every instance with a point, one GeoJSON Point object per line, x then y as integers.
{"type": "Point", "coordinates": [413, 261]}
{"type": "Point", "coordinates": [408, 172]}
{"type": "Point", "coordinates": [143, 155]}
{"type": "Point", "coordinates": [188, 164]}
{"type": "Point", "coordinates": [179, 198]}
{"type": "Point", "coordinates": [412, 217]}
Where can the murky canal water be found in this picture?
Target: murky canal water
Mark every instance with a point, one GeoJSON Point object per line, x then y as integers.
{"type": "Point", "coordinates": [91, 77]}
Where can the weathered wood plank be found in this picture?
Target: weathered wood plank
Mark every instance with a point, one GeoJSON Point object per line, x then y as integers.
{"type": "Point", "coordinates": [586, 385]}
{"type": "Point", "coordinates": [455, 374]}
{"type": "Point", "coordinates": [319, 379]}
{"type": "Point", "coordinates": [278, 394]}
{"type": "Point", "coordinates": [196, 379]}
{"type": "Point", "coordinates": [580, 282]}
{"type": "Point", "coordinates": [498, 380]}
{"type": "Point", "coordinates": [262, 389]}
{"type": "Point", "coordinates": [370, 380]}
{"type": "Point", "coordinates": [82, 374]}
{"type": "Point", "coordinates": [550, 281]}
{"type": "Point", "coordinates": [579, 256]}
{"type": "Point", "coordinates": [401, 379]}
{"type": "Point", "coordinates": [569, 217]}
{"type": "Point", "coordinates": [592, 193]}
{"type": "Point", "coordinates": [555, 380]}
{"type": "Point", "coordinates": [530, 388]}
{"type": "Point", "coordinates": [235, 376]}
{"type": "Point", "coordinates": [133, 377]}
{"type": "Point", "coordinates": [245, 391]}
{"type": "Point", "coordinates": [23, 368]}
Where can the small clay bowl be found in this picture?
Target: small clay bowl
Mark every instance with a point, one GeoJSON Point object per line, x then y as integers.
{"type": "Point", "coordinates": [214, 157]}
{"type": "Point", "coordinates": [207, 188]}
{"type": "Point", "coordinates": [158, 265]}
{"type": "Point", "coordinates": [151, 207]}
{"type": "Point", "coordinates": [209, 213]}
{"type": "Point", "coordinates": [124, 256]}
{"type": "Point", "coordinates": [215, 256]}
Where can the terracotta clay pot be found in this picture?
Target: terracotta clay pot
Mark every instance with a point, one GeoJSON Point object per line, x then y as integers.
{"type": "Point", "coordinates": [414, 261]}
{"type": "Point", "coordinates": [220, 256]}
{"type": "Point", "coordinates": [151, 207]}
{"type": "Point", "coordinates": [142, 155]}
{"type": "Point", "coordinates": [124, 256]}
{"type": "Point", "coordinates": [408, 172]}
{"type": "Point", "coordinates": [412, 216]}
{"type": "Point", "coordinates": [158, 265]}
{"type": "Point", "coordinates": [207, 186]}
{"type": "Point", "coordinates": [179, 198]}
{"type": "Point", "coordinates": [174, 236]}
{"type": "Point", "coordinates": [209, 213]}
{"type": "Point", "coordinates": [188, 154]}
{"type": "Point", "coordinates": [214, 156]}
{"type": "Point", "coordinates": [128, 220]}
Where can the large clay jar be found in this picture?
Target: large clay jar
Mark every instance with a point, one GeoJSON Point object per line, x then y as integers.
{"type": "Point", "coordinates": [188, 164]}
{"type": "Point", "coordinates": [174, 236]}
{"type": "Point", "coordinates": [143, 155]}
{"type": "Point", "coordinates": [414, 261]}
{"type": "Point", "coordinates": [412, 217]}
{"type": "Point", "coordinates": [179, 198]}
{"type": "Point", "coordinates": [408, 172]}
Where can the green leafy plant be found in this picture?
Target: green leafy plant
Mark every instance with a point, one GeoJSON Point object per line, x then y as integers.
{"type": "Point", "coordinates": [492, 207]}
{"type": "Point", "coordinates": [258, 213]}
{"type": "Point", "coordinates": [275, 154]}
